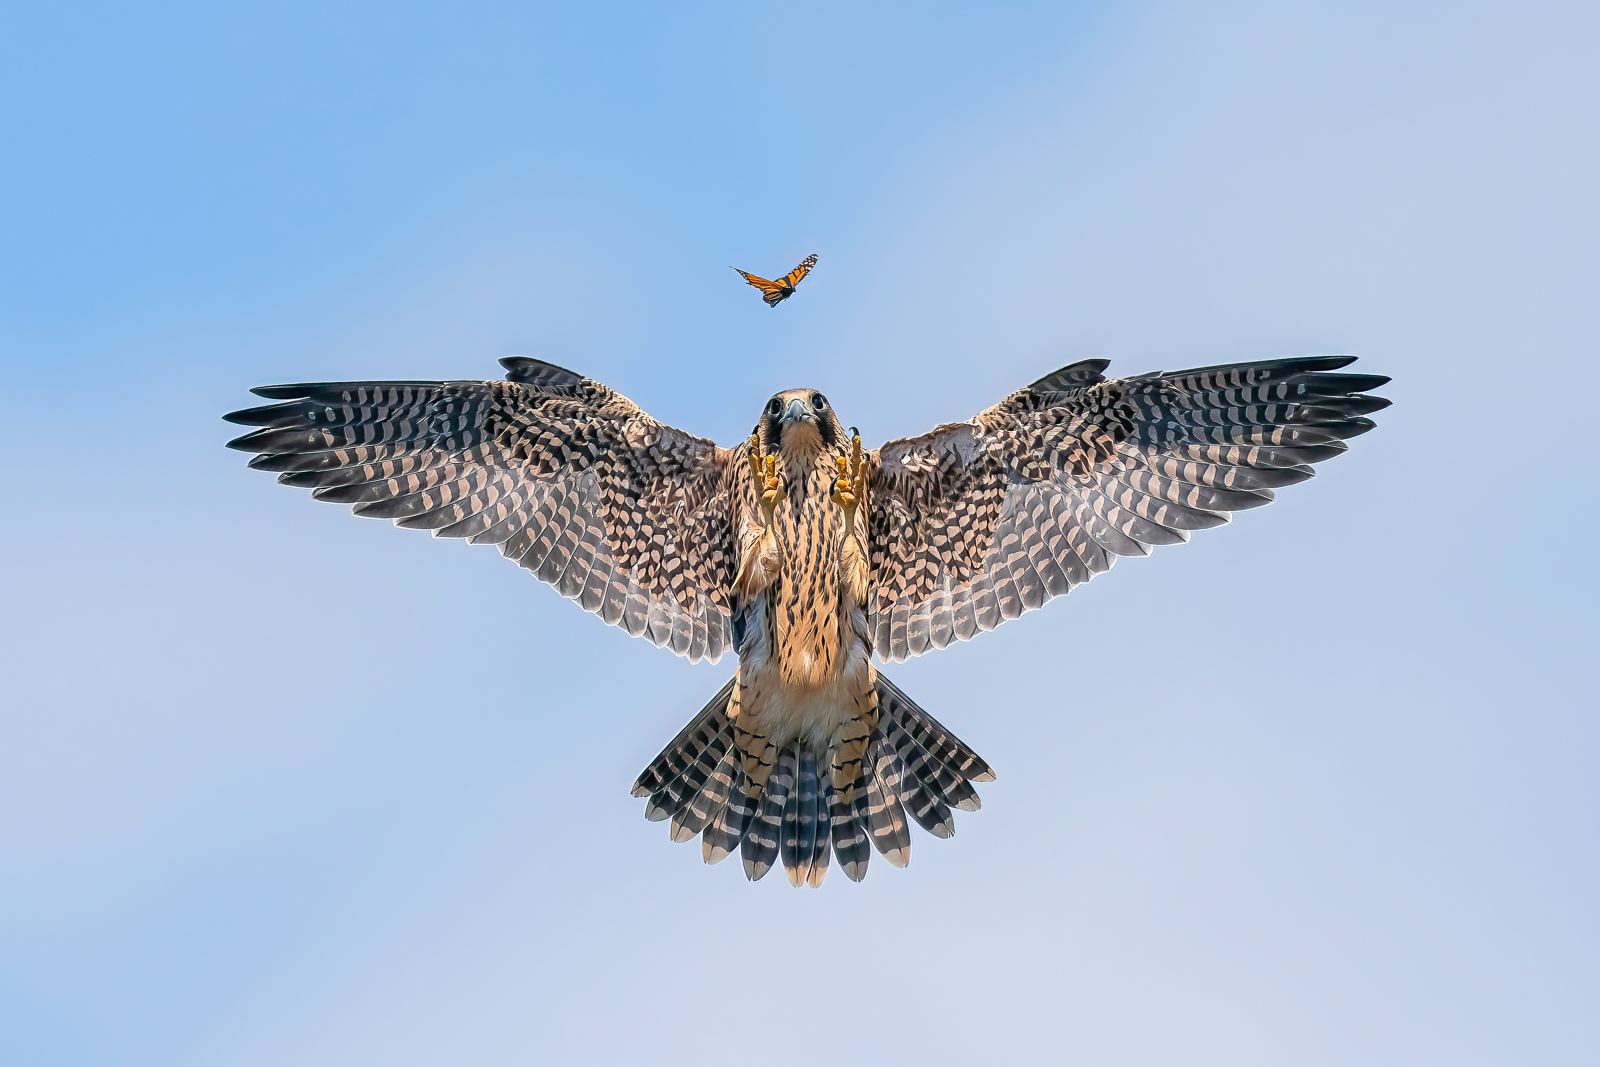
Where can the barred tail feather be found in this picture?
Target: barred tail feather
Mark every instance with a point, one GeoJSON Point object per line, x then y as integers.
{"type": "Point", "coordinates": [927, 732]}
{"type": "Point", "coordinates": [886, 818]}
{"type": "Point", "coordinates": [849, 832]}
{"type": "Point", "coordinates": [931, 813]}
{"type": "Point", "coordinates": [727, 830]}
{"type": "Point", "coordinates": [936, 778]}
{"type": "Point", "coordinates": [708, 803]}
{"type": "Point", "coordinates": [806, 842]}
{"type": "Point", "coordinates": [686, 747]}
{"type": "Point", "coordinates": [913, 770]}
{"type": "Point", "coordinates": [760, 846]}
{"type": "Point", "coordinates": [671, 798]}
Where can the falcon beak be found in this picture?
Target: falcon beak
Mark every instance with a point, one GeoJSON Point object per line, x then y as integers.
{"type": "Point", "coordinates": [798, 412]}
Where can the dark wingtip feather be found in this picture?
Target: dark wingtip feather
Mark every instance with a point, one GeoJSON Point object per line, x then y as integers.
{"type": "Point", "coordinates": [246, 443]}
{"type": "Point", "coordinates": [335, 390]}
{"type": "Point", "coordinates": [246, 416]}
{"type": "Point", "coordinates": [1073, 376]}
{"type": "Point", "coordinates": [1313, 363]}
{"type": "Point", "coordinates": [1284, 367]}
{"type": "Point", "coordinates": [1303, 454]}
{"type": "Point", "coordinates": [277, 439]}
{"type": "Point", "coordinates": [1350, 383]}
{"type": "Point", "coordinates": [272, 415]}
{"type": "Point", "coordinates": [539, 374]}
{"type": "Point", "coordinates": [287, 392]}
{"type": "Point", "coordinates": [1347, 428]}
{"type": "Point", "coordinates": [1334, 408]}
{"type": "Point", "coordinates": [282, 462]}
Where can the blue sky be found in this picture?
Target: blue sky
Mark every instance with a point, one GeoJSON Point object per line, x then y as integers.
{"type": "Point", "coordinates": [281, 786]}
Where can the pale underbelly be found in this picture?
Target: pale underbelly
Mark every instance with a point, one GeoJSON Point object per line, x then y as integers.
{"type": "Point", "coordinates": [811, 714]}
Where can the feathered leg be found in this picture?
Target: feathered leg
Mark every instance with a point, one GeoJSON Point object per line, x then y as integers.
{"type": "Point", "coordinates": [757, 753]}
{"type": "Point", "coordinates": [760, 556]}
{"type": "Point", "coordinates": [848, 751]}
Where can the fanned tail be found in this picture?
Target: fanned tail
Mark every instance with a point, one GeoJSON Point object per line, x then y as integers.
{"type": "Point", "coordinates": [913, 767]}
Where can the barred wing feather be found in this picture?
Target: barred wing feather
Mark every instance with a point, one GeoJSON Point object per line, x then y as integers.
{"type": "Point", "coordinates": [981, 521]}
{"type": "Point", "coordinates": [568, 478]}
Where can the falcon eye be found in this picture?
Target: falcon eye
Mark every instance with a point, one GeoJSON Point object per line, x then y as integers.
{"type": "Point", "coordinates": [774, 406]}
{"type": "Point", "coordinates": [817, 402]}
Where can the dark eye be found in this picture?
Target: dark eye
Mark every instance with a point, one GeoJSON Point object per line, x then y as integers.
{"type": "Point", "coordinates": [818, 402]}
{"type": "Point", "coordinates": [774, 406]}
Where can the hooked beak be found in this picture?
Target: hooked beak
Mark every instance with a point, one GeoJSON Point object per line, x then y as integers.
{"type": "Point", "coordinates": [797, 412]}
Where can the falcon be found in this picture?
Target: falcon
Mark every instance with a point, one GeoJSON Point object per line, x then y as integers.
{"type": "Point", "coordinates": [807, 555]}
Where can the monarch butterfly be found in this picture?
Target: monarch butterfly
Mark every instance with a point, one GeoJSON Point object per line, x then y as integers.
{"type": "Point", "coordinates": [776, 292]}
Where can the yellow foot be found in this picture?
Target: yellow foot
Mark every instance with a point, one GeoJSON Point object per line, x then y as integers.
{"type": "Point", "coordinates": [848, 488]}
{"type": "Point", "coordinates": [765, 470]}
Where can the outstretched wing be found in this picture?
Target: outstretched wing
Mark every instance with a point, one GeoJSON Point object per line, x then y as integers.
{"type": "Point", "coordinates": [792, 279]}
{"type": "Point", "coordinates": [772, 292]}
{"type": "Point", "coordinates": [570, 479]}
{"type": "Point", "coordinates": [764, 284]}
{"type": "Point", "coordinates": [980, 521]}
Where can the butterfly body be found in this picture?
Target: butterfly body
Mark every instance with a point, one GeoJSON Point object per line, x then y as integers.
{"type": "Point", "coordinates": [776, 291]}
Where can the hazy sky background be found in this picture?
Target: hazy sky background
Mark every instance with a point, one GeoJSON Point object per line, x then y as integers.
{"type": "Point", "coordinates": [280, 786]}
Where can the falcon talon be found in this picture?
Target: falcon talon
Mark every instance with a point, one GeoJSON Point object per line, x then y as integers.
{"type": "Point", "coordinates": [798, 758]}
{"type": "Point", "coordinates": [764, 469]}
{"type": "Point", "coordinates": [847, 485]}
{"type": "Point", "coordinates": [772, 493]}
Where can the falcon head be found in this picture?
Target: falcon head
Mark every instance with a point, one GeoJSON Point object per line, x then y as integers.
{"type": "Point", "coordinates": [799, 422]}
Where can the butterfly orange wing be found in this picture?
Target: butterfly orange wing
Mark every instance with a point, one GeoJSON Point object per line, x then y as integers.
{"type": "Point", "coordinates": [771, 291]}
{"type": "Point", "coordinates": [792, 279]}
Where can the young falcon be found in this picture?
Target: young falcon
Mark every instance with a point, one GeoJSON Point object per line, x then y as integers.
{"type": "Point", "coordinates": [806, 555]}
